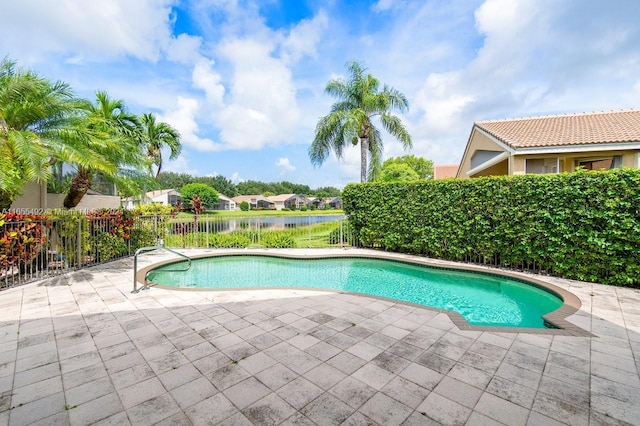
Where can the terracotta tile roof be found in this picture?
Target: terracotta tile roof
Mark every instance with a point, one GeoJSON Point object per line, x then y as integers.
{"type": "Point", "coordinates": [572, 129]}
{"type": "Point", "coordinates": [444, 171]}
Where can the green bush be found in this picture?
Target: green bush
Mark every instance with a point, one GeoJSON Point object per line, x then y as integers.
{"type": "Point", "coordinates": [233, 239]}
{"type": "Point", "coordinates": [303, 208]}
{"type": "Point", "coordinates": [109, 246]}
{"type": "Point", "coordinates": [313, 207]}
{"type": "Point", "coordinates": [142, 237]}
{"type": "Point", "coordinates": [65, 225]}
{"type": "Point", "coordinates": [277, 239]}
{"type": "Point", "coordinates": [153, 209]}
{"type": "Point", "coordinates": [583, 225]}
{"type": "Point", "coordinates": [244, 206]}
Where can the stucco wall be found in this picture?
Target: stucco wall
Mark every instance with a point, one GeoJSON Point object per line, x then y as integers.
{"type": "Point", "coordinates": [478, 142]}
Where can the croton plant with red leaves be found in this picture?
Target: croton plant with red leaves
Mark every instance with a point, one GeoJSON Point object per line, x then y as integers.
{"type": "Point", "coordinates": [22, 236]}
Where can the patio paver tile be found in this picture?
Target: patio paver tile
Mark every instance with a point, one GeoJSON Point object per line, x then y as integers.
{"type": "Point", "coordinates": [96, 409]}
{"type": "Point", "coordinates": [88, 391]}
{"type": "Point", "coordinates": [140, 392]}
{"type": "Point", "coordinates": [246, 392]}
{"type": "Point", "coordinates": [327, 410]}
{"type": "Point", "coordinates": [153, 410]}
{"type": "Point", "coordinates": [193, 392]}
{"type": "Point", "coordinates": [299, 392]}
{"type": "Point", "coordinates": [270, 410]}
{"type": "Point", "coordinates": [458, 391]}
{"type": "Point", "coordinates": [443, 410]}
{"type": "Point", "coordinates": [502, 410]}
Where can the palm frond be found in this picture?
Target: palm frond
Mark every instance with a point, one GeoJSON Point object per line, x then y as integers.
{"type": "Point", "coordinates": [396, 128]}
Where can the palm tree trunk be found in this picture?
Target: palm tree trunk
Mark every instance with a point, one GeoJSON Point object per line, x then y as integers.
{"type": "Point", "coordinates": [363, 159]}
{"type": "Point", "coordinates": [80, 184]}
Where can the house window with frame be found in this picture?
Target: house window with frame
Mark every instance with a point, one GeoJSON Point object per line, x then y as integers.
{"type": "Point", "coordinates": [600, 163]}
{"type": "Point", "coordinates": [173, 199]}
{"type": "Point", "coordinates": [539, 166]}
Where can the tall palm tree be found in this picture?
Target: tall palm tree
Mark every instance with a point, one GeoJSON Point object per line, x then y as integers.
{"type": "Point", "coordinates": [351, 120]}
{"type": "Point", "coordinates": [115, 135]}
{"type": "Point", "coordinates": [157, 135]}
{"type": "Point", "coordinates": [36, 130]}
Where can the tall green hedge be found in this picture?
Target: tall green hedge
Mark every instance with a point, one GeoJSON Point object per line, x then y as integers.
{"type": "Point", "coordinates": [583, 225]}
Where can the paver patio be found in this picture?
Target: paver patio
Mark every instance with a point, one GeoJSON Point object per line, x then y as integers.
{"type": "Point", "coordinates": [81, 349]}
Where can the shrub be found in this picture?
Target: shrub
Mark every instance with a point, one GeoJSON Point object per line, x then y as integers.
{"type": "Point", "coordinates": [244, 206]}
{"type": "Point", "coordinates": [208, 194]}
{"type": "Point", "coordinates": [286, 209]}
{"type": "Point", "coordinates": [313, 207]}
{"type": "Point", "coordinates": [65, 234]}
{"type": "Point", "coordinates": [303, 208]}
{"type": "Point", "coordinates": [583, 225]}
{"type": "Point", "coordinates": [231, 240]}
{"type": "Point", "coordinates": [109, 246]}
{"type": "Point", "coordinates": [153, 209]}
{"type": "Point", "coordinates": [22, 238]}
{"type": "Point", "coordinates": [277, 239]}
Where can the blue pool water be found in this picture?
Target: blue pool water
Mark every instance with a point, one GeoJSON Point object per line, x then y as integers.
{"type": "Point", "coordinates": [481, 299]}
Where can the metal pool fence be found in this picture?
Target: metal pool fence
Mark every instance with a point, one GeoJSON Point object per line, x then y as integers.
{"type": "Point", "coordinates": [32, 249]}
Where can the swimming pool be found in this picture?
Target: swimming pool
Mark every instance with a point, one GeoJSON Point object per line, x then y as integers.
{"type": "Point", "coordinates": [480, 298]}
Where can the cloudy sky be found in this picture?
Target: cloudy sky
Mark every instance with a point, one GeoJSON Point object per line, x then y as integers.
{"type": "Point", "coordinates": [243, 81]}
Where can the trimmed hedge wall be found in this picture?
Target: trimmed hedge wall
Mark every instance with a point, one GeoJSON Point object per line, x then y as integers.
{"type": "Point", "coordinates": [583, 225]}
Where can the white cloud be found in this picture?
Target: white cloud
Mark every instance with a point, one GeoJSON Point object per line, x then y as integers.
{"type": "Point", "coordinates": [235, 178]}
{"type": "Point", "coordinates": [262, 108]}
{"type": "Point", "coordinates": [83, 30]}
{"type": "Point", "coordinates": [205, 78]}
{"type": "Point", "coordinates": [303, 38]}
{"type": "Point", "coordinates": [178, 165]}
{"type": "Point", "coordinates": [183, 118]}
{"type": "Point", "coordinates": [184, 49]}
{"type": "Point", "coordinates": [383, 5]}
{"type": "Point", "coordinates": [284, 165]}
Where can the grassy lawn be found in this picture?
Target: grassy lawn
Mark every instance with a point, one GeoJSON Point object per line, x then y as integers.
{"type": "Point", "coordinates": [260, 213]}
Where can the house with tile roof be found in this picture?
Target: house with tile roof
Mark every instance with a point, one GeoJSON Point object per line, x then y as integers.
{"type": "Point", "coordinates": [160, 196]}
{"type": "Point", "coordinates": [552, 144]}
{"type": "Point", "coordinates": [256, 202]}
{"type": "Point", "coordinates": [290, 201]}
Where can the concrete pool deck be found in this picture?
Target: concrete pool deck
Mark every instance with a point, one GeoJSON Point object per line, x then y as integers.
{"type": "Point", "coordinates": [81, 349]}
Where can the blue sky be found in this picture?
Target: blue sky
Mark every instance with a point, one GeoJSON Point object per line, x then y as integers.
{"type": "Point", "coordinates": [243, 81]}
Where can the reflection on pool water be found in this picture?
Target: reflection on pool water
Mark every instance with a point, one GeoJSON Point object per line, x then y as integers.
{"type": "Point", "coordinates": [481, 299]}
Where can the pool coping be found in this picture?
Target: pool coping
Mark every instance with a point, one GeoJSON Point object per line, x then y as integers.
{"type": "Point", "coordinates": [558, 318]}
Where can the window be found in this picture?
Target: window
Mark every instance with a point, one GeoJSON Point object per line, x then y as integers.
{"type": "Point", "coordinates": [600, 163]}
{"type": "Point", "coordinates": [539, 166]}
{"type": "Point", "coordinates": [173, 199]}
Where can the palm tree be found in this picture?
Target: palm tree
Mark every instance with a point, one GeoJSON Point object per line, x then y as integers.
{"type": "Point", "coordinates": [350, 120]}
{"type": "Point", "coordinates": [36, 130]}
{"type": "Point", "coordinates": [155, 136]}
{"type": "Point", "coordinates": [115, 134]}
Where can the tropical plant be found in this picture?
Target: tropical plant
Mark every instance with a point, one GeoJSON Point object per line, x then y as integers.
{"type": "Point", "coordinates": [422, 166]}
{"type": "Point", "coordinates": [397, 172]}
{"type": "Point", "coordinates": [208, 195]}
{"type": "Point", "coordinates": [156, 135]}
{"type": "Point", "coordinates": [37, 130]}
{"type": "Point", "coordinates": [115, 135]}
{"type": "Point", "coordinates": [351, 120]}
